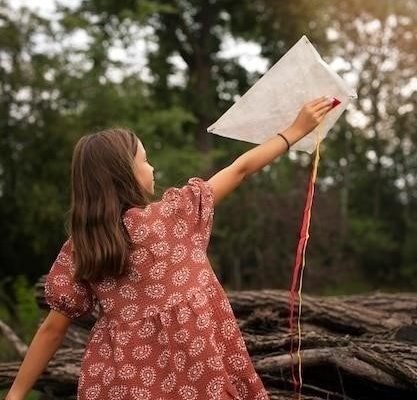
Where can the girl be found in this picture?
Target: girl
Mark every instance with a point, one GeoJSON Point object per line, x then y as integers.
{"type": "Point", "coordinates": [165, 328]}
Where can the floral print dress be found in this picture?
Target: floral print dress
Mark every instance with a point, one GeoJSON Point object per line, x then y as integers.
{"type": "Point", "coordinates": [166, 329]}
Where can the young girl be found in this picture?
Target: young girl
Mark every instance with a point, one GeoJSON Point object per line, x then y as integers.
{"type": "Point", "coordinates": [165, 329]}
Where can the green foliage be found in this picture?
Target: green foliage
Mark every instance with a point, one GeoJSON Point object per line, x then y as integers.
{"type": "Point", "coordinates": [33, 395]}
{"type": "Point", "coordinates": [348, 288]}
{"type": "Point", "coordinates": [366, 198]}
{"type": "Point", "coordinates": [374, 244]}
{"type": "Point", "coordinates": [408, 270]}
{"type": "Point", "coordinates": [27, 310]}
{"type": "Point", "coordinates": [7, 352]}
{"type": "Point", "coordinates": [19, 309]}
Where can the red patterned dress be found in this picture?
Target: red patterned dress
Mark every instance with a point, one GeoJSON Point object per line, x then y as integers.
{"type": "Point", "coordinates": [166, 330]}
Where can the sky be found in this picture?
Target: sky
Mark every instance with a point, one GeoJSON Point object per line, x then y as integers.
{"type": "Point", "coordinates": [133, 59]}
{"type": "Point", "coordinates": [247, 52]}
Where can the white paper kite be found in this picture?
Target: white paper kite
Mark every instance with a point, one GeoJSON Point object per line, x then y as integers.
{"type": "Point", "coordinates": [273, 102]}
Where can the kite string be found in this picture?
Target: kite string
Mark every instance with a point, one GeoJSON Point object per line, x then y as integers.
{"type": "Point", "coordinates": [314, 176]}
{"type": "Point", "coordinates": [299, 267]}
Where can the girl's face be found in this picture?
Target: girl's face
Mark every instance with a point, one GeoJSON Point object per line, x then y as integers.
{"type": "Point", "coordinates": [143, 170]}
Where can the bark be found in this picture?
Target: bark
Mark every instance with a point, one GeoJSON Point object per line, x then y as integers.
{"type": "Point", "coordinates": [353, 347]}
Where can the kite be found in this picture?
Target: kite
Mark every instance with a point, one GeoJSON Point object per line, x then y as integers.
{"type": "Point", "coordinates": [269, 107]}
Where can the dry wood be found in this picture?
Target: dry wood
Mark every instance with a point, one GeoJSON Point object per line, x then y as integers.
{"type": "Point", "coordinates": [353, 347]}
{"type": "Point", "coordinates": [14, 340]}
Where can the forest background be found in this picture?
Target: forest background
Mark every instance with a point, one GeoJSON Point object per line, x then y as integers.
{"type": "Point", "coordinates": [167, 70]}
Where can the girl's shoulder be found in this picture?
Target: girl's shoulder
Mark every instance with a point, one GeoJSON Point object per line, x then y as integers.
{"type": "Point", "coordinates": [134, 214]}
{"type": "Point", "coordinates": [196, 190]}
{"type": "Point", "coordinates": [193, 201]}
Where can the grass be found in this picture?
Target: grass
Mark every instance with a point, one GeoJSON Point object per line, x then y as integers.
{"type": "Point", "coordinates": [33, 395]}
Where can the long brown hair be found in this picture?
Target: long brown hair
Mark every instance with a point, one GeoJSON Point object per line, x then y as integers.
{"type": "Point", "coordinates": [103, 188]}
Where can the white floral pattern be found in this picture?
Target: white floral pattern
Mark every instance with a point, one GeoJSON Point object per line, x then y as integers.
{"type": "Point", "coordinates": [95, 369]}
{"type": "Point", "coordinates": [180, 358]}
{"type": "Point", "coordinates": [181, 276]}
{"type": "Point", "coordinates": [215, 363]}
{"type": "Point", "coordinates": [188, 392]}
{"type": "Point", "coordinates": [129, 312]}
{"type": "Point", "coordinates": [168, 383]}
{"type": "Point", "coordinates": [166, 329]}
{"type": "Point", "coordinates": [134, 276]}
{"type": "Point", "coordinates": [118, 392]}
{"type": "Point", "coordinates": [151, 310]}
{"type": "Point", "coordinates": [93, 392]}
{"type": "Point", "coordinates": [203, 320]}
{"type": "Point", "coordinates": [179, 252]}
{"type": "Point", "coordinates": [109, 375]}
{"type": "Point", "coordinates": [123, 337]}
{"type": "Point", "coordinates": [198, 255]}
{"type": "Point", "coordinates": [106, 285]}
{"type": "Point", "coordinates": [128, 292]}
{"type": "Point", "coordinates": [237, 361]}
{"type": "Point", "coordinates": [155, 291]}
{"type": "Point", "coordinates": [160, 249]}
{"type": "Point", "coordinates": [140, 233]}
{"type": "Point", "coordinates": [174, 298]}
{"type": "Point", "coordinates": [184, 314]}
{"type": "Point", "coordinates": [105, 350]}
{"type": "Point", "coordinates": [139, 256]}
{"type": "Point", "coordinates": [127, 371]}
{"type": "Point", "coordinates": [146, 330]}
{"type": "Point", "coordinates": [180, 229]}
{"type": "Point", "coordinates": [107, 304]}
{"type": "Point", "coordinates": [197, 346]}
{"type": "Point", "coordinates": [163, 338]}
{"type": "Point", "coordinates": [181, 336]}
{"type": "Point", "coordinates": [228, 329]}
{"type": "Point", "coordinates": [163, 358]}
{"type": "Point", "coordinates": [139, 393]}
{"type": "Point", "coordinates": [215, 386]}
{"type": "Point", "coordinates": [158, 270]}
{"type": "Point", "coordinates": [195, 371]}
{"type": "Point", "coordinates": [142, 352]}
{"type": "Point", "coordinates": [148, 376]}
{"type": "Point", "coordinates": [159, 228]}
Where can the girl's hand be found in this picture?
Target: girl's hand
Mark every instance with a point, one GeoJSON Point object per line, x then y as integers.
{"type": "Point", "coordinates": [310, 116]}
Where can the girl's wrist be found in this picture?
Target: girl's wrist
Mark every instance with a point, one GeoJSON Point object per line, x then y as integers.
{"type": "Point", "coordinates": [285, 140]}
{"type": "Point", "coordinates": [293, 134]}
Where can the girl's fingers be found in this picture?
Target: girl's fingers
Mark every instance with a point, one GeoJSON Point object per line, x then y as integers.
{"type": "Point", "coordinates": [317, 101]}
{"type": "Point", "coordinates": [324, 107]}
{"type": "Point", "coordinates": [323, 111]}
{"type": "Point", "coordinates": [326, 101]}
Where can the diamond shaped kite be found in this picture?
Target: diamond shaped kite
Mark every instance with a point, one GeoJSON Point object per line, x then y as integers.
{"type": "Point", "coordinates": [273, 102]}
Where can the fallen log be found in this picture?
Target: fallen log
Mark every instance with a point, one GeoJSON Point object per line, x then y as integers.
{"type": "Point", "coordinates": [330, 313]}
{"type": "Point", "coordinates": [353, 347]}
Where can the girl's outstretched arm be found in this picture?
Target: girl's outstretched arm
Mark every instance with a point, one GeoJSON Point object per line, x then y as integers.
{"type": "Point", "coordinates": [229, 178]}
{"type": "Point", "coordinates": [45, 343]}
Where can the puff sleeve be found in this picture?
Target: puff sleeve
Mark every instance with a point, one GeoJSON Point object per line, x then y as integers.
{"type": "Point", "coordinates": [62, 293]}
{"type": "Point", "coordinates": [194, 204]}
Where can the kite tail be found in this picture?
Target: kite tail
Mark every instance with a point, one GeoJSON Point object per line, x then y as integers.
{"type": "Point", "coordinates": [298, 273]}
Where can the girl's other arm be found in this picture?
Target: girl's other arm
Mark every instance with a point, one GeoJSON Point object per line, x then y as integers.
{"type": "Point", "coordinates": [229, 178]}
{"type": "Point", "coordinates": [45, 343]}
